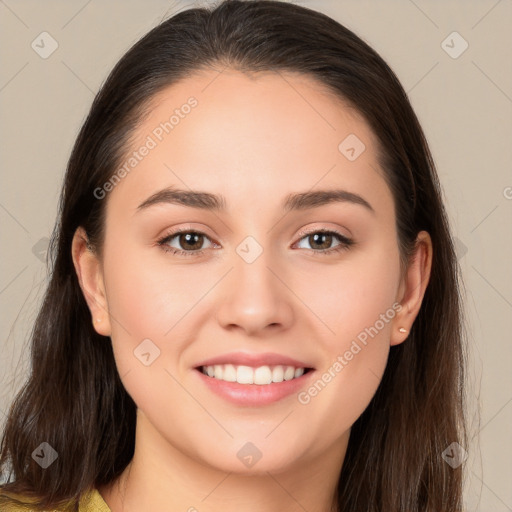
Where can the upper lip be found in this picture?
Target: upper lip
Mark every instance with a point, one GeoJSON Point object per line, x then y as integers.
{"type": "Point", "coordinates": [254, 360]}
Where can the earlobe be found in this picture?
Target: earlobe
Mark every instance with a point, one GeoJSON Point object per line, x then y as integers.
{"type": "Point", "coordinates": [413, 288]}
{"type": "Point", "coordinates": [90, 276]}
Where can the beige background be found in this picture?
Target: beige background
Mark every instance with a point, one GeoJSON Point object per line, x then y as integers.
{"type": "Point", "coordinates": [464, 105]}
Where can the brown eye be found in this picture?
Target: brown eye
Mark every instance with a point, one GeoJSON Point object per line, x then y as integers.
{"type": "Point", "coordinates": [190, 240]}
{"type": "Point", "coordinates": [321, 241]}
{"type": "Point", "coordinates": [186, 243]}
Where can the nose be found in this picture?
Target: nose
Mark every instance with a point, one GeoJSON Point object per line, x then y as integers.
{"type": "Point", "coordinates": [257, 299]}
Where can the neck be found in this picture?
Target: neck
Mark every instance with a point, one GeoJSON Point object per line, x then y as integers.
{"type": "Point", "coordinates": [160, 477]}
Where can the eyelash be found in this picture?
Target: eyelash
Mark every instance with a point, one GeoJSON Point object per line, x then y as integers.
{"type": "Point", "coordinates": [345, 243]}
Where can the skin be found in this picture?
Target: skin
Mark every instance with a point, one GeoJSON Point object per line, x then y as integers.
{"type": "Point", "coordinates": [253, 139]}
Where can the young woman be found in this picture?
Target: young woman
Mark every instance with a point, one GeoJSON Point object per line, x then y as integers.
{"type": "Point", "coordinates": [254, 300]}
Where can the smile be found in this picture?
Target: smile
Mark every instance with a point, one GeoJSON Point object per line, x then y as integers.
{"type": "Point", "coordinates": [254, 386]}
{"type": "Point", "coordinates": [261, 375]}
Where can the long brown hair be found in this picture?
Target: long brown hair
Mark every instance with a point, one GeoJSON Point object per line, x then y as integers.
{"type": "Point", "coordinates": [74, 399]}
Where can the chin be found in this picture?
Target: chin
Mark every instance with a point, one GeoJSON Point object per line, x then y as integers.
{"type": "Point", "coordinates": [251, 459]}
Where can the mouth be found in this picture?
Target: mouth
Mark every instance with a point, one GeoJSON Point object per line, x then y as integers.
{"type": "Point", "coordinates": [254, 380]}
{"type": "Point", "coordinates": [260, 375]}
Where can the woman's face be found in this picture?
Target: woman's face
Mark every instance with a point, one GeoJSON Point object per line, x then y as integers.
{"type": "Point", "coordinates": [257, 288]}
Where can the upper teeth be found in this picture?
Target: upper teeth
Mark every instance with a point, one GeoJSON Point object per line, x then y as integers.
{"type": "Point", "coordinates": [249, 375]}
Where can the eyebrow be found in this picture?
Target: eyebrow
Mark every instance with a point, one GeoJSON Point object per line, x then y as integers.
{"type": "Point", "coordinates": [217, 203]}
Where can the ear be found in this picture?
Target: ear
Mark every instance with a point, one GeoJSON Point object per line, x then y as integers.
{"type": "Point", "coordinates": [90, 276]}
{"type": "Point", "coordinates": [412, 288]}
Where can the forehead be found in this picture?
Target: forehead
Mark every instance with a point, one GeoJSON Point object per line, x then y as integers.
{"type": "Point", "coordinates": [260, 104]}
{"type": "Point", "coordinates": [246, 136]}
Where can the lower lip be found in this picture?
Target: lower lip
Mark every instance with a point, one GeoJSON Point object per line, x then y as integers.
{"type": "Point", "coordinates": [254, 394]}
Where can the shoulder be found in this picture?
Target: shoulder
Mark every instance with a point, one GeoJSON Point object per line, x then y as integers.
{"type": "Point", "coordinates": [90, 501]}
{"type": "Point", "coordinates": [93, 502]}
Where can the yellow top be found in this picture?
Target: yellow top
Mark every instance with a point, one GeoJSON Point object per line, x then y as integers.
{"type": "Point", "coordinates": [89, 502]}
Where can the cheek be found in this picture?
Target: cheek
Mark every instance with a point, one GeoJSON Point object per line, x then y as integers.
{"type": "Point", "coordinates": [356, 359]}
{"type": "Point", "coordinates": [359, 306]}
{"type": "Point", "coordinates": [343, 390]}
{"type": "Point", "coordinates": [148, 306]}
{"type": "Point", "coordinates": [149, 295]}
{"type": "Point", "coordinates": [149, 298]}
{"type": "Point", "coordinates": [357, 296]}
